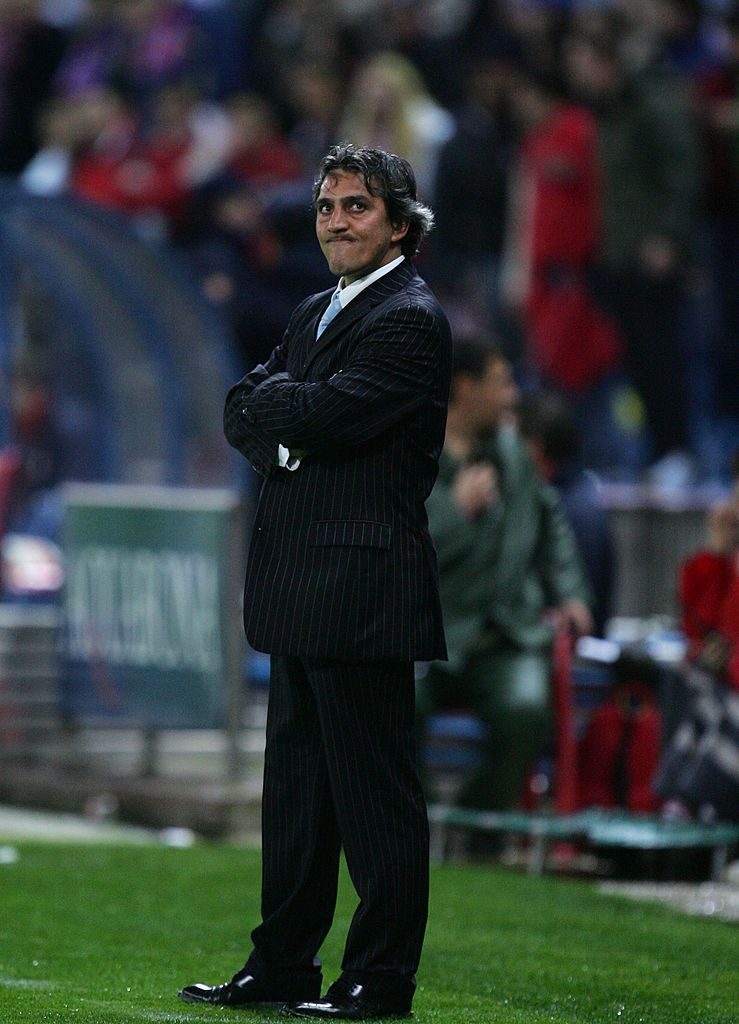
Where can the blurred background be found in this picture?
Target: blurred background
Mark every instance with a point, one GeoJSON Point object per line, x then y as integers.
{"type": "Point", "coordinates": [156, 165]}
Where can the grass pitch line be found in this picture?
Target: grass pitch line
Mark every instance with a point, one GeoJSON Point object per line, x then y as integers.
{"type": "Point", "coordinates": [31, 984]}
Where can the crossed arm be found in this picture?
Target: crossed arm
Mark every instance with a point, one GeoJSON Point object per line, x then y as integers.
{"type": "Point", "coordinates": [392, 372]}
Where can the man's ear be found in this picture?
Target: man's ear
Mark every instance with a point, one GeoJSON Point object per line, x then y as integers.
{"type": "Point", "coordinates": [400, 230]}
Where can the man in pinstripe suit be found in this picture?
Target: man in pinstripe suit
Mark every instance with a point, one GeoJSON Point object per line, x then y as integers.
{"type": "Point", "coordinates": [345, 422]}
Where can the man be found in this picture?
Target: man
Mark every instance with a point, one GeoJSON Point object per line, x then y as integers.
{"type": "Point", "coordinates": [507, 557]}
{"type": "Point", "coordinates": [342, 591]}
{"type": "Point", "coordinates": [650, 172]}
{"type": "Point", "coordinates": [547, 423]}
{"type": "Point", "coordinates": [473, 174]}
{"type": "Point", "coordinates": [553, 239]}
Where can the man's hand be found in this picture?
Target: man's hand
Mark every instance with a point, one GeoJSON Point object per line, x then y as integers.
{"type": "Point", "coordinates": [723, 527]}
{"type": "Point", "coordinates": [574, 616]}
{"type": "Point", "coordinates": [475, 489]}
{"type": "Point", "coordinates": [658, 256]}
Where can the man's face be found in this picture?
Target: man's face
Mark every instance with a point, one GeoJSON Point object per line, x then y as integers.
{"type": "Point", "coordinates": [353, 228]}
{"type": "Point", "coordinates": [491, 399]}
{"type": "Point", "coordinates": [591, 75]}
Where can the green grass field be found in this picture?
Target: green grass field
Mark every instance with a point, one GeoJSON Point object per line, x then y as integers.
{"type": "Point", "coordinates": [98, 934]}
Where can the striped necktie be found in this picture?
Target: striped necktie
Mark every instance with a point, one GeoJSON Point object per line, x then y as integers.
{"type": "Point", "coordinates": [334, 307]}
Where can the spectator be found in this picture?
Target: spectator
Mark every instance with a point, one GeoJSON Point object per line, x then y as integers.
{"type": "Point", "coordinates": [699, 771]}
{"type": "Point", "coordinates": [314, 101]}
{"type": "Point", "coordinates": [60, 133]}
{"type": "Point", "coordinates": [31, 464]}
{"type": "Point", "coordinates": [291, 33]}
{"type": "Point", "coordinates": [388, 105]}
{"type": "Point", "coordinates": [224, 28]}
{"type": "Point", "coordinates": [507, 557]}
{"type": "Point", "coordinates": [555, 224]}
{"type": "Point", "coordinates": [140, 176]}
{"type": "Point", "coordinates": [96, 107]}
{"type": "Point", "coordinates": [149, 173]}
{"type": "Point", "coordinates": [94, 124]}
{"type": "Point", "coordinates": [548, 425]}
{"type": "Point", "coordinates": [471, 189]}
{"type": "Point", "coordinates": [137, 47]}
{"type": "Point", "coordinates": [29, 54]}
{"type": "Point", "coordinates": [687, 38]}
{"type": "Point", "coordinates": [260, 153]}
{"type": "Point", "coordinates": [712, 310]}
{"type": "Point", "coordinates": [554, 237]}
{"type": "Point", "coordinates": [709, 594]}
{"type": "Point", "coordinates": [538, 26]}
{"type": "Point", "coordinates": [648, 149]}
{"type": "Point", "coordinates": [432, 35]}
{"type": "Point", "coordinates": [236, 255]}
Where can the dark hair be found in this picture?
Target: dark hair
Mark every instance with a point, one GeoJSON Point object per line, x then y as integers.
{"type": "Point", "coordinates": [603, 41]}
{"type": "Point", "coordinates": [548, 83]}
{"type": "Point", "coordinates": [472, 354]}
{"type": "Point", "coordinates": [387, 176]}
{"type": "Point", "coordinates": [546, 416]}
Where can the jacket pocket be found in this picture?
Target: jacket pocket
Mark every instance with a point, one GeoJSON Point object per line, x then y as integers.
{"type": "Point", "coordinates": [329, 533]}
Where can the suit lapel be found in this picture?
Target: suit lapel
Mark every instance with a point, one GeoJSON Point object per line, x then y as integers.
{"type": "Point", "coordinates": [371, 296]}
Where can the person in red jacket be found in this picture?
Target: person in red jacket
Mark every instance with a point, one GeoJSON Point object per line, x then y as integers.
{"type": "Point", "coordinates": [261, 154]}
{"type": "Point", "coordinates": [709, 595]}
{"type": "Point", "coordinates": [554, 238]}
{"type": "Point", "coordinates": [699, 770]}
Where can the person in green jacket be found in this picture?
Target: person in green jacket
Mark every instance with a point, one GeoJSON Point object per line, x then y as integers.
{"type": "Point", "coordinates": [510, 576]}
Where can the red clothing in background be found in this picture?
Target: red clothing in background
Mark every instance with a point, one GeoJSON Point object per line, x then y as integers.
{"type": "Point", "coordinates": [559, 158]}
{"type": "Point", "coordinates": [709, 596]}
{"type": "Point", "coordinates": [143, 179]}
{"type": "Point", "coordinates": [557, 225]}
{"type": "Point", "coordinates": [270, 162]}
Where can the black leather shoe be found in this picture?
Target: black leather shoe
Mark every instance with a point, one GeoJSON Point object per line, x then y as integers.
{"type": "Point", "coordinates": [347, 1000]}
{"type": "Point", "coordinates": [244, 989]}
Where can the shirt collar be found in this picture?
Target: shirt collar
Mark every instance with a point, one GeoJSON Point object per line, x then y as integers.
{"type": "Point", "coordinates": [350, 291]}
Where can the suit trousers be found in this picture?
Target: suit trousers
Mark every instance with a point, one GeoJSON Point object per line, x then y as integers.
{"type": "Point", "coordinates": [340, 772]}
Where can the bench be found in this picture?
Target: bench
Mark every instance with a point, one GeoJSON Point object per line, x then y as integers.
{"type": "Point", "coordinates": [615, 829]}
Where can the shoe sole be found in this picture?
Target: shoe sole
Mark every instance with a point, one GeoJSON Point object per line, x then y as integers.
{"type": "Point", "coordinates": [296, 1014]}
{"type": "Point", "coordinates": [187, 998]}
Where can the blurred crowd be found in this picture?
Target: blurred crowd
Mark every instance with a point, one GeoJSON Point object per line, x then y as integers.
{"type": "Point", "coordinates": [582, 158]}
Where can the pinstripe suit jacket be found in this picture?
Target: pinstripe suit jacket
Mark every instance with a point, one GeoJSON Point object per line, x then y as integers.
{"type": "Point", "coordinates": [341, 564]}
